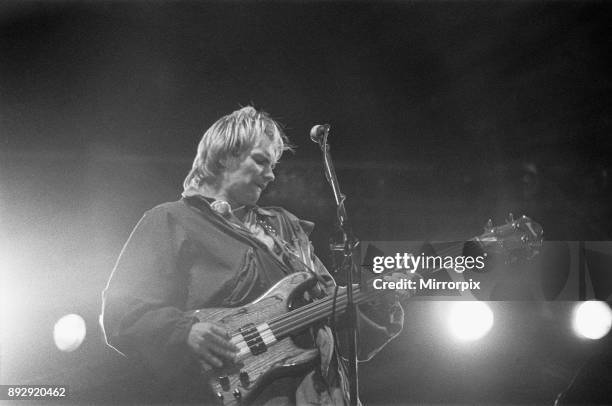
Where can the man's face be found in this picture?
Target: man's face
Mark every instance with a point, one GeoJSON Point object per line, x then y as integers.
{"type": "Point", "coordinates": [245, 179]}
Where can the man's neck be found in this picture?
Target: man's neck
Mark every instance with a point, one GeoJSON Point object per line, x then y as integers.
{"type": "Point", "coordinates": [211, 193]}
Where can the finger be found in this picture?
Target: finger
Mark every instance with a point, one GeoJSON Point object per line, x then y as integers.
{"type": "Point", "coordinates": [222, 342]}
{"type": "Point", "coordinates": [228, 355]}
{"type": "Point", "coordinates": [205, 365]}
{"type": "Point", "coordinates": [215, 361]}
{"type": "Point", "coordinates": [216, 345]}
{"type": "Point", "coordinates": [219, 331]}
{"type": "Point", "coordinates": [211, 359]}
{"type": "Point", "coordinates": [196, 343]}
{"type": "Point", "coordinates": [200, 348]}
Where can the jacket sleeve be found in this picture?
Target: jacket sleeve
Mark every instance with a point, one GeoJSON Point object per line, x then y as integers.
{"type": "Point", "coordinates": [143, 314]}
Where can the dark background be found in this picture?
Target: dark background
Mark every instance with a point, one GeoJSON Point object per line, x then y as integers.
{"type": "Point", "coordinates": [443, 115]}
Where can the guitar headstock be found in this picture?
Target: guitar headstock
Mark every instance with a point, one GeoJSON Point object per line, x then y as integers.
{"type": "Point", "coordinates": [517, 239]}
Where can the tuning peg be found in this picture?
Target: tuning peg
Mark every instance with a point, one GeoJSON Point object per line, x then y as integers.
{"type": "Point", "coordinates": [488, 225]}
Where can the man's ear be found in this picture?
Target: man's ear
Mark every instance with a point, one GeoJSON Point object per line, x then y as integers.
{"type": "Point", "coordinates": [232, 161]}
{"type": "Point", "coordinates": [226, 163]}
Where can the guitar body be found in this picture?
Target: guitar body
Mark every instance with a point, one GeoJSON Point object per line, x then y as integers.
{"type": "Point", "coordinates": [262, 356]}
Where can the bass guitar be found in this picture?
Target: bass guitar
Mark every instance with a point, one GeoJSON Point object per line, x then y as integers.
{"type": "Point", "coordinates": [263, 329]}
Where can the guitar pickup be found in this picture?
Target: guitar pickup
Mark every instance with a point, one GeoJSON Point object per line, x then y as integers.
{"type": "Point", "coordinates": [245, 379]}
{"type": "Point", "coordinates": [253, 339]}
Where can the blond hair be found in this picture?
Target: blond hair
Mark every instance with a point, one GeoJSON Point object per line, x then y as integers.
{"type": "Point", "coordinates": [229, 138]}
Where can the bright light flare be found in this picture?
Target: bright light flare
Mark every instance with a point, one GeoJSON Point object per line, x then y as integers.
{"type": "Point", "coordinates": [69, 332]}
{"type": "Point", "coordinates": [592, 319]}
{"type": "Point", "coordinates": [470, 321]}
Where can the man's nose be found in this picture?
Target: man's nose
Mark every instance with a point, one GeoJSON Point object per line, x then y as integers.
{"type": "Point", "coordinates": [268, 174]}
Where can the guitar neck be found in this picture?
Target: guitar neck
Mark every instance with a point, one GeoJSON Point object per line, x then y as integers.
{"type": "Point", "coordinates": [319, 310]}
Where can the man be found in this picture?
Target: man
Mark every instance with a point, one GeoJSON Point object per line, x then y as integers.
{"type": "Point", "coordinates": [216, 248]}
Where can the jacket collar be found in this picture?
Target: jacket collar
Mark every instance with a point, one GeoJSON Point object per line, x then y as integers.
{"type": "Point", "coordinates": [199, 200]}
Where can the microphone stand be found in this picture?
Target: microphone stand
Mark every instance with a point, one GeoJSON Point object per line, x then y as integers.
{"type": "Point", "coordinates": [319, 135]}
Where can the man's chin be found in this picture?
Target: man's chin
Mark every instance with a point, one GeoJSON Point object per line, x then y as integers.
{"type": "Point", "coordinates": [252, 200]}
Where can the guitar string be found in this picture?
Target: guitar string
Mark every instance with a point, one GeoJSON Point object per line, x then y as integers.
{"type": "Point", "coordinates": [289, 319]}
{"type": "Point", "coordinates": [309, 311]}
{"type": "Point", "coordinates": [323, 312]}
{"type": "Point", "coordinates": [304, 309]}
{"type": "Point", "coordinates": [294, 320]}
{"type": "Point", "coordinates": [287, 322]}
{"type": "Point", "coordinates": [319, 310]}
{"type": "Point", "coordinates": [304, 319]}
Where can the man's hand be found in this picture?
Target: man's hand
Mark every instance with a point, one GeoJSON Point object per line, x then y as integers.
{"type": "Point", "coordinates": [211, 343]}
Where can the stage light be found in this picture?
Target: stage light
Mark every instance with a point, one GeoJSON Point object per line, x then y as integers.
{"type": "Point", "coordinates": [470, 321]}
{"type": "Point", "coordinates": [69, 332]}
{"type": "Point", "coordinates": [592, 319]}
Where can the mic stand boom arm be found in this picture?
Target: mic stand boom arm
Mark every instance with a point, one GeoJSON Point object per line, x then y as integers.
{"type": "Point", "coordinates": [319, 135]}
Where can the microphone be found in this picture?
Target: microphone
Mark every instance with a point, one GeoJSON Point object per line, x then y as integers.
{"type": "Point", "coordinates": [318, 132]}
